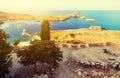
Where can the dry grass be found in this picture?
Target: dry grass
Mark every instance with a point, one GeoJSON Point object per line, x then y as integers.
{"type": "Point", "coordinates": [89, 36]}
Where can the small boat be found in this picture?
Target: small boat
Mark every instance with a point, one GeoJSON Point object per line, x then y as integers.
{"type": "Point", "coordinates": [82, 17]}
{"type": "Point", "coordinates": [90, 20]}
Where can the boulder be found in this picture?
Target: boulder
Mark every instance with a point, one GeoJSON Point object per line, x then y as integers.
{"type": "Point", "coordinates": [79, 73]}
{"type": "Point", "coordinates": [26, 33]}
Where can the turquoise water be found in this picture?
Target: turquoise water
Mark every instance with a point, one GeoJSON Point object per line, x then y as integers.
{"type": "Point", "coordinates": [110, 20]}
{"type": "Point", "coordinates": [107, 19]}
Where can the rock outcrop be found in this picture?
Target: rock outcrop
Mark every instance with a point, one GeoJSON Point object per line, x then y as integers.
{"type": "Point", "coordinates": [1, 22]}
{"type": "Point", "coordinates": [26, 33]}
{"type": "Point", "coordinates": [57, 17]}
{"type": "Point", "coordinates": [95, 28]}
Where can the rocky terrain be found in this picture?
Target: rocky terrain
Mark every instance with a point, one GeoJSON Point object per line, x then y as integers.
{"type": "Point", "coordinates": [91, 35]}
{"type": "Point", "coordinates": [57, 17]}
{"type": "Point", "coordinates": [88, 37]}
{"type": "Point", "coordinates": [1, 22]}
{"type": "Point", "coordinates": [88, 63]}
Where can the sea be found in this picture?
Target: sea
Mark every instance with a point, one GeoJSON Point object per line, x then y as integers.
{"type": "Point", "coordinates": [108, 19]}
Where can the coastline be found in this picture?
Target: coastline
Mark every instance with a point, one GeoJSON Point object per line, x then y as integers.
{"type": "Point", "coordinates": [85, 35]}
{"type": "Point", "coordinates": [92, 36]}
{"type": "Point", "coordinates": [55, 17]}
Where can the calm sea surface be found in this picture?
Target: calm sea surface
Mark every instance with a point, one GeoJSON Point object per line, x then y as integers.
{"type": "Point", "coordinates": [110, 20]}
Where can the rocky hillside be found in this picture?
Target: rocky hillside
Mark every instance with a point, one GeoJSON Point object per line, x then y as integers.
{"type": "Point", "coordinates": [58, 17]}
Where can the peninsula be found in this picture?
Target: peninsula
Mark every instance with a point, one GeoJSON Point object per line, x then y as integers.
{"type": "Point", "coordinates": [57, 17]}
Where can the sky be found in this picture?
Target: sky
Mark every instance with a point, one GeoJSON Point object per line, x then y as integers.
{"type": "Point", "coordinates": [34, 6]}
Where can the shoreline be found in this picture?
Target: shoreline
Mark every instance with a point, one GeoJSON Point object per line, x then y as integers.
{"type": "Point", "coordinates": [55, 17]}
{"type": "Point", "coordinates": [85, 37]}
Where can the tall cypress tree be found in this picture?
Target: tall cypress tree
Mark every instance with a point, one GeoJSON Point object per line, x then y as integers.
{"type": "Point", "coordinates": [45, 30]}
{"type": "Point", "coordinates": [5, 59]}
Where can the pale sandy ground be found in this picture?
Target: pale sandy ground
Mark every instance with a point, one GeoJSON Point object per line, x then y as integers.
{"type": "Point", "coordinates": [91, 54]}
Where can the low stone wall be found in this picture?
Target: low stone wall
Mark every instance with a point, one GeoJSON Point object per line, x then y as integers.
{"type": "Point", "coordinates": [68, 45]}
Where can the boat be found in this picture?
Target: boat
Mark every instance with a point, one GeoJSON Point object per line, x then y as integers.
{"type": "Point", "coordinates": [90, 20]}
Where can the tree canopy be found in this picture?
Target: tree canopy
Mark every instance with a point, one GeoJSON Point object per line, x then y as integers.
{"type": "Point", "coordinates": [42, 52]}
{"type": "Point", "coordinates": [38, 34]}
{"type": "Point", "coordinates": [5, 59]}
{"type": "Point", "coordinates": [45, 30]}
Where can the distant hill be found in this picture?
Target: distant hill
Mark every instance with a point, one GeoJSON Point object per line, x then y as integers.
{"type": "Point", "coordinates": [2, 12]}
{"type": "Point", "coordinates": [57, 17]}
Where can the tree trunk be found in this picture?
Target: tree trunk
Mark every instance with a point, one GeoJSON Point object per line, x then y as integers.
{"type": "Point", "coordinates": [35, 67]}
{"type": "Point", "coordinates": [42, 67]}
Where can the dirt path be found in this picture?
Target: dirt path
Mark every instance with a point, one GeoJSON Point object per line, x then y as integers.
{"type": "Point", "coordinates": [64, 71]}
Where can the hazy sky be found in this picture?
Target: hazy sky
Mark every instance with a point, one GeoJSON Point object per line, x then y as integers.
{"type": "Point", "coordinates": [34, 6]}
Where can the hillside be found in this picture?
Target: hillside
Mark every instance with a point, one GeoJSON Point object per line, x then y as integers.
{"type": "Point", "coordinates": [57, 17]}
{"type": "Point", "coordinates": [87, 36]}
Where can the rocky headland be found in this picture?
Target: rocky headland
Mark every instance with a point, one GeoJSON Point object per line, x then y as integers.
{"type": "Point", "coordinates": [57, 17]}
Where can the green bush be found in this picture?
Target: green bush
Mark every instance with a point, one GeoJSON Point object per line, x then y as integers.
{"type": "Point", "coordinates": [16, 41]}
